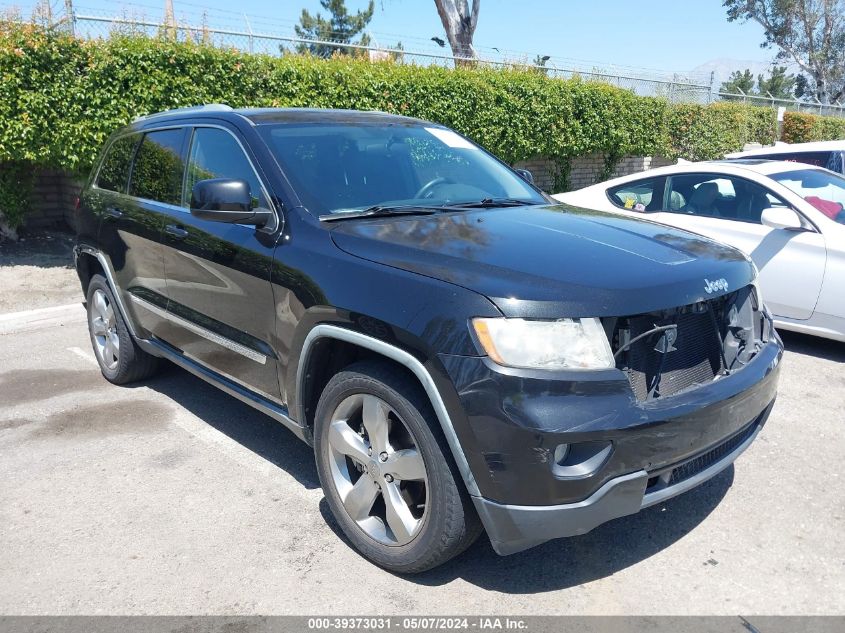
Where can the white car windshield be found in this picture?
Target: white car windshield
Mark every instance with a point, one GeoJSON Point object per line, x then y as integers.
{"type": "Point", "coordinates": [342, 168]}
{"type": "Point", "coordinates": [822, 189]}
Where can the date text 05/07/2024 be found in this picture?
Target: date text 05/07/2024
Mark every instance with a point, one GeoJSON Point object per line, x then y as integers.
{"type": "Point", "coordinates": [421, 623]}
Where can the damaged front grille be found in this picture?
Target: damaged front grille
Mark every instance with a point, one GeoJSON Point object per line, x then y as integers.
{"type": "Point", "coordinates": [698, 464]}
{"type": "Point", "coordinates": [679, 473]}
{"type": "Point", "coordinates": [669, 351]}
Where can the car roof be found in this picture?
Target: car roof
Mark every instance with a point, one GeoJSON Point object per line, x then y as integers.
{"type": "Point", "coordinates": [766, 167]}
{"type": "Point", "coordinates": [733, 167]}
{"type": "Point", "coordinates": [263, 116]}
{"type": "Point", "coordinates": [790, 148]}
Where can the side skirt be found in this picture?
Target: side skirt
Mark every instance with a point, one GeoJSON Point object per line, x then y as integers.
{"type": "Point", "coordinates": [278, 413]}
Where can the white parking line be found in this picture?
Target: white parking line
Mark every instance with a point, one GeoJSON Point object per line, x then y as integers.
{"type": "Point", "coordinates": [228, 447]}
{"type": "Point", "coordinates": [41, 317]}
{"type": "Point", "coordinates": [86, 356]}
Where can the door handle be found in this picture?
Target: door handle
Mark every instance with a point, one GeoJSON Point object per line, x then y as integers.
{"type": "Point", "coordinates": [176, 232]}
{"type": "Point", "coordinates": [114, 212]}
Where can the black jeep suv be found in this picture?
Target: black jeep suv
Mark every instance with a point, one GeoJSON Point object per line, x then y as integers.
{"type": "Point", "coordinates": [462, 353]}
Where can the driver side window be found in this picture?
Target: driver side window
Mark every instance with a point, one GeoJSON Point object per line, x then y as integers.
{"type": "Point", "coordinates": [215, 153]}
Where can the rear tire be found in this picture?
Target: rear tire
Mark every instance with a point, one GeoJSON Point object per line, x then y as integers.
{"type": "Point", "coordinates": [386, 470]}
{"type": "Point", "coordinates": [121, 360]}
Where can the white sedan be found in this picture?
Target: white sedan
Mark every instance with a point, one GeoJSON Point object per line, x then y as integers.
{"type": "Point", "coordinates": [788, 217]}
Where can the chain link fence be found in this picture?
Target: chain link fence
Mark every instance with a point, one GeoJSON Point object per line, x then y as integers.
{"type": "Point", "coordinates": [247, 39]}
{"type": "Point", "coordinates": [277, 37]}
{"type": "Point", "coordinates": [811, 107]}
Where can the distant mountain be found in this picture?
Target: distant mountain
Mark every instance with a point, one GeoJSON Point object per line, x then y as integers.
{"type": "Point", "coordinates": [724, 66]}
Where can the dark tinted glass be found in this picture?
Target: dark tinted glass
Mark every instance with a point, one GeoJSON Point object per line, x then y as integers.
{"type": "Point", "coordinates": [338, 168]}
{"type": "Point", "coordinates": [217, 154]}
{"type": "Point", "coordinates": [115, 169]}
{"type": "Point", "coordinates": [157, 172]}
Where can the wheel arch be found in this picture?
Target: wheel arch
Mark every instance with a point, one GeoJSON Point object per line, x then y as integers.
{"type": "Point", "coordinates": [339, 347]}
{"type": "Point", "coordinates": [90, 261]}
{"type": "Point", "coordinates": [87, 265]}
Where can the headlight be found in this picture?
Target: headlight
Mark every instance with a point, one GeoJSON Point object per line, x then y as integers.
{"type": "Point", "coordinates": [755, 282]}
{"type": "Point", "coordinates": [561, 344]}
{"type": "Point", "coordinates": [759, 295]}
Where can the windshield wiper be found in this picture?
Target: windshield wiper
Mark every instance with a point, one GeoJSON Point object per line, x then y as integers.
{"type": "Point", "coordinates": [381, 210]}
{"type": "Point", "coordinates": [493, 203]}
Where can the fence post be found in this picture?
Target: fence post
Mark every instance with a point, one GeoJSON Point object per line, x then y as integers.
{"type": "Point", "coordinates": [249, 29]}
{"type": "Point", "coordinates": [712, 96]}
{"type": "Point", "coordinates": [71, 17]}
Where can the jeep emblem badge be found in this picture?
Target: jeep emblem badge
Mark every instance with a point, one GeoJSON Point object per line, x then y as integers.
{"type": "Point", "coordinates": [717, 284]}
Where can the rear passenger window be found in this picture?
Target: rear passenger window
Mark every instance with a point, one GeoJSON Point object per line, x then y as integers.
{"type": "Point", "coordinates": [217, 154]}
{"type": "Point", "coordinates": [158, 169]}
{"type": "Point", "coordinates": [114, 172]}
{"type": "Point", "coordinates": [642, 195]}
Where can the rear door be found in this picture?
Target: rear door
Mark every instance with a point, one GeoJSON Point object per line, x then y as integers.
{"type": "Point", "coordinates": [791, 263]}
{"type": "Point", "coordinates": [126, 196]}
{"type": "Point", "coordinates": [220, 308]}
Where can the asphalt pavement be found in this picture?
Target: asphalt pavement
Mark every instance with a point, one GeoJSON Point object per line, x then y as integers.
{"type": "Point", "coordinates": [170, 497]}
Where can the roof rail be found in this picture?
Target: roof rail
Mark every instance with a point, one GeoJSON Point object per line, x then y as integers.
{"type": "Point", "coordinates": [211, 107]}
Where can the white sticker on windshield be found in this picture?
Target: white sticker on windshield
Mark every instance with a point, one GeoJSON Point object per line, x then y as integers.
{"type": "Point", "coordinates": [450, 138]}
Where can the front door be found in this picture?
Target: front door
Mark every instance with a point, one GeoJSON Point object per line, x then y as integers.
{"type": "Point", "coordinates": [218, 275]}
{"type": "Point", "coordinates": [727, 209]}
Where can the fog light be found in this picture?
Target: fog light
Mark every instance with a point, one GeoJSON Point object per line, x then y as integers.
{"type": "Point", "coordinates": [561, 451]}
{"type": "Point", "coordinates": [581, 459]}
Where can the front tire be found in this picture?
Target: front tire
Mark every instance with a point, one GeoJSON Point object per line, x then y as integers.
{"type": "Point", "coordinates": [383, 466]}
{"type": "Point", "coordinates": [121, 360]}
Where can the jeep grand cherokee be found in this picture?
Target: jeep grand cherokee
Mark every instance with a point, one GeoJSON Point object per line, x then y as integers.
{"type": "Point", "coordinates": [463, 353]}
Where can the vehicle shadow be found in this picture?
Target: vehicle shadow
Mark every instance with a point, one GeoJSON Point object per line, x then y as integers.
{"type": "Point", "coordinates": [578, 560]}
{"type": "Point", "coordinates": [250, 428]}
{"type": "Point", "coordinates": [822, 348]}
{"type": "Point", "coordinates": [554, 565]}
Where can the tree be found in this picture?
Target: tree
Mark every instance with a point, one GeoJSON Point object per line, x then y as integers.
{"type": "Point", "coordinates": [340, 26]}
{"type": "Point", "coordinates": [740, 82]}
{"type": "Point", "coordinates": [779, 85]}
{"type": "Point", "coordinates": [539, 64]}
{"type": "Point", "coordinates": [802, 86]}
{"type": "Point", "coordinates": [459, 22]}
{"type": "Point", "coordinates": [809, 32]}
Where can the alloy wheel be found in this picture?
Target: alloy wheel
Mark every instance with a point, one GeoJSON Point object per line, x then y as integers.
{"type": "Point", "coordinates": [377, 469]}
{"type": "Point", "coordinates": [104, 330]}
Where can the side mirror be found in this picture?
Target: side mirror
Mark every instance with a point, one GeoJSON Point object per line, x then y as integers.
{"type": "Point", "coordinates": [526, 175]}
{"type": "Point", "coordinates": [226, 200]}
{"type": "Point", "coordinates": [781, 218]}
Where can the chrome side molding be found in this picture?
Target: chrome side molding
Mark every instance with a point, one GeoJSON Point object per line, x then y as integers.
{"type": "Point", "coordinates": [207, 334]}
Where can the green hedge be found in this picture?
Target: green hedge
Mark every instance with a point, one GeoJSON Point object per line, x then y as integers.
{"type": "Point", "coordinates": [799, 127]}
{"type": "Point", "coordinates": [61, 97]}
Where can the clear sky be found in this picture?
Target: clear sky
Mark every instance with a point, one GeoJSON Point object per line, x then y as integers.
{"type": "Point", "coordinates": [664, 35]}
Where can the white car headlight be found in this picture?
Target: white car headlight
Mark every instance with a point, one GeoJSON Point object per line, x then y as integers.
{"type": "Point", "coordinates": [560, 344]}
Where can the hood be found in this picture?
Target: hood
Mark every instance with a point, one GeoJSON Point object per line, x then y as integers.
{"type": "Point", "coordinates": [553, 261]}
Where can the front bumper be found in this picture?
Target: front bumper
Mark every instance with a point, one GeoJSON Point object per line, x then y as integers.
{"type": "Point", "coordinates": [516, 528]}
{"type": "Point", "coordinates": [658, 448]}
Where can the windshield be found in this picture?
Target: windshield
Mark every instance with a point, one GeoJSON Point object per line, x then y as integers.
{"type": "Point", "coordinates": [346, 168]}
{"type": "Point", "coordinates": [822, 189]}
